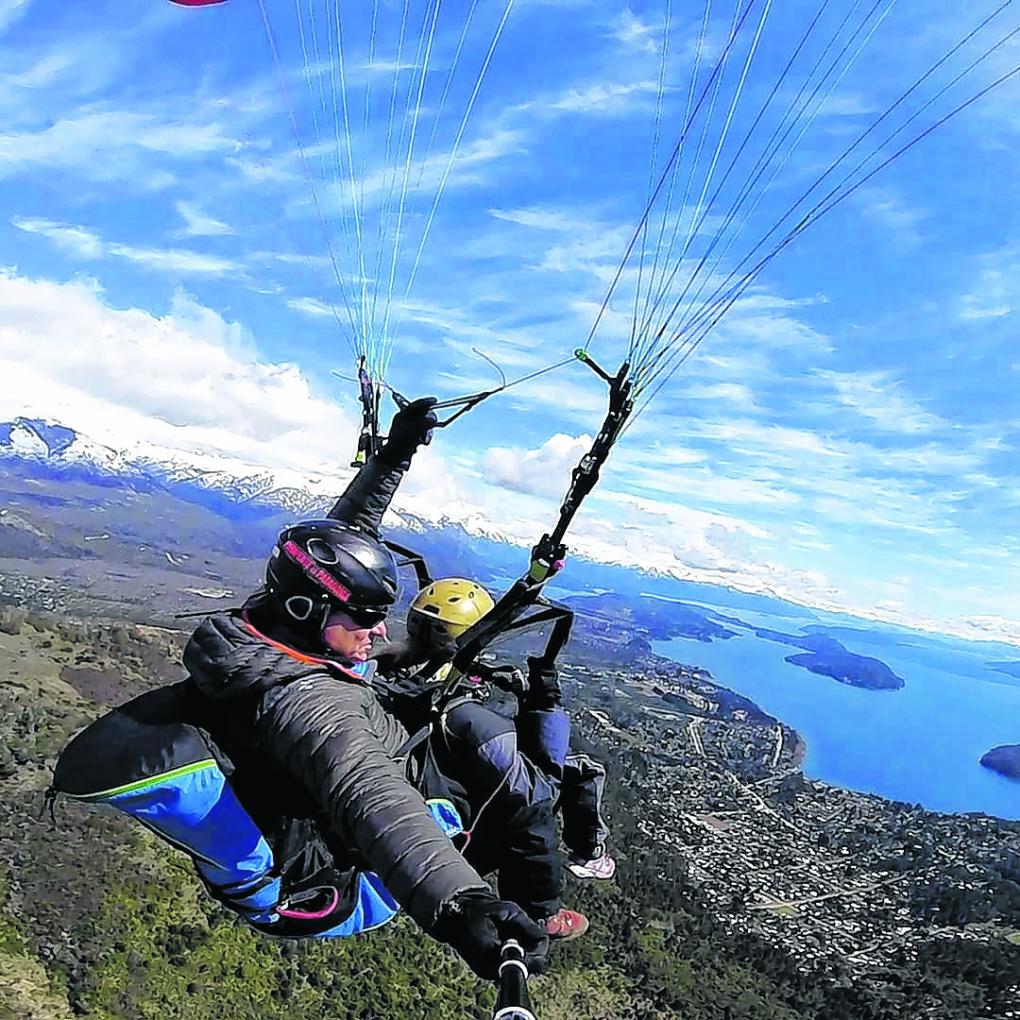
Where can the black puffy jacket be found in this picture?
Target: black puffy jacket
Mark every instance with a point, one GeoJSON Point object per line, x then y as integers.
{"type": "Point", "coordinates": [323, 729]}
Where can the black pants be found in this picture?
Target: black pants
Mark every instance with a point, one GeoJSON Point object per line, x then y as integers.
{"type": "Point", "coordinates": [471, 757]}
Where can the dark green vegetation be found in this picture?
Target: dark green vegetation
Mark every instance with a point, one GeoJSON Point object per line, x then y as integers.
{"type": "Point", "coordinates": [100, 919]}
{"type": "Point", "coordinates": [855, 670]}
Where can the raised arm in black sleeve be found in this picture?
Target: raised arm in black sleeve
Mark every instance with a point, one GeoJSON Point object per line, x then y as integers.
{"type": "Point", "coordinates": [372, 489]}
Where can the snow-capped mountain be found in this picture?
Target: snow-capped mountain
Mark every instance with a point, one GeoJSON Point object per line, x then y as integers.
{"type": "Point", "coordinates": [60, 448]}
{"type": "Point", "coordinates": [36, 439]}
{"type": "Point", "coordinates": [453, 532]}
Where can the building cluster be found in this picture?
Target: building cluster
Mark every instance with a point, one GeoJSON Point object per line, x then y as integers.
{"type": "Point", "coordinates": [822, 872]}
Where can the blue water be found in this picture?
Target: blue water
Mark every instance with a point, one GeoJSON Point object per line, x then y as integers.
{"type": "Point", "coordinates": [921, 744]}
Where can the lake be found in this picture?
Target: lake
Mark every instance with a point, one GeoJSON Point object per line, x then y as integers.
{"type": "Point", "coordinates": [920, 744]}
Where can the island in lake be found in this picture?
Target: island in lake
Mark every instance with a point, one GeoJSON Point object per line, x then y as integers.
{"type": "Point", "coordinates": [848, 668]}
{"type": "Point", "coordinates": [1004, 759]}
{"type": "Point", "coordinates": [826, 656]}
{"type": "Point", "coordinates": [658, 619]}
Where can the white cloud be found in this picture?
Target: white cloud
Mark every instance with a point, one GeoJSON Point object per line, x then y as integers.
{"type": "Point", "coordinates": [42, 73]}
{"type": "Point", "coordinates": [198, 224]}
{"type": "Point", "coordinates": [605, 99]}
{"type": "Point", "coordinates": [79, 242]}
{"type": "Point", "coordinates": [990, 628]}
{"type": "Point", "coordinates": [930, 459]}
{"type": "Point", "coordinates": [539, 218]}
{"type": "Point", "coordinates": [425, 173]}
{"type": "Point", "coordinates": [706, 487]}
{"type": "Point", "coordinates": [675, 538]}
{"type": "Point", "coordinates": [883, 400]}
{"type": "Point", "coordinates": [184, 381]}
{"type": "Point", "coordinates": [846, 104]}
{"type": "Point", "coordinates": [176, 260]}
{"type": "Point", "coordinates": [311, 306]}
{"type": "Point", "coordinates": [83, 243]}
{"type": "Point", "coordinates": [890, 211]}
{"type": "Point", "coordinates": [540, 471]}
{"type": "Point", "coordinates": [573, 400]}
{"type": "Point", "coordinates": [10, 11]}
{"type": "Point", "coordinates": [737, 394]}
{"type": "Point", "coordinates": [993, 295]}
{"type": "Point", "coordinates": [389, 66]}
{"type": "Point", "coordinates": [755, 436]}
{"type": "Point", "coordinates": [633, 33]}
{"type": "Point", "coordinates": [107, 144]}
{"type": "Point", "coordinates": [289, 258]}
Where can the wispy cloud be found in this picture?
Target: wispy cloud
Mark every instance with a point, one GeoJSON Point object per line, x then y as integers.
{"type": "Point", "coordinates": [738, 394]}
{"type": "Point", "coordinates": [556, 220]}
{"type": "Point", "coordinates": [176, 260]}
{"type": "Point", "coordinates": [390, 66]}
{"type": "Point", "coordinates": [883, 400]}
{"type": "Point", "coordinates": [994, 293]}
{"type": "Point", "coordinates": [310, 306]}
{"type": "Point", "coordinates": [96, 142]}
{"type": "Point", "coordinates": [889, 211]}
{"type": "Point", "coordinates": [43, 72]}
{"type": "Point", "coordinates": [634, 33]}
{"type": "Point", "coordinates": [198, 224]}
{"type": "Point", "coordinates": [607, 100]}
{"type": "Point", "coordinates": [83, 243]}
{"type": "Point", "coordinates": [77, 241]}
{"type": "Point", "coordinates": [10, 11]}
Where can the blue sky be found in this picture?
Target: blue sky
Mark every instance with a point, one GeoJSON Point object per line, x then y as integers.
{"type": "Point", "coordinates": [847, 434]}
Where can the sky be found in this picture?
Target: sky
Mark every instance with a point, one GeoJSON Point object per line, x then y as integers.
{"type": "Point", "coordinates": [203, 227]}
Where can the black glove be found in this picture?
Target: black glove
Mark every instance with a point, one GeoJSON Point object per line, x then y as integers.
{"type": "Point", "coordinates": [394, 655]}
{"type": "Point", "coordinates": [476, 924]}
{"type": "Point", "coordinates": [544, 690]}
{"type": "Point", "coordinates": [506, 677]}
{"type": "Point", "coordinates": [411, 427]}
{"type": "Point", "coordinates": [428, 638]}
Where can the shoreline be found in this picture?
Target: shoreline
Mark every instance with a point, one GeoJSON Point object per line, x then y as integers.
{"type": "Point", "coordinates": [799, 750]}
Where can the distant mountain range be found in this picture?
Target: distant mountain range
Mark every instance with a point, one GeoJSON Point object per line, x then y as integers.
{"type": "Point", "coordinates": [460, 540]}
{"type": "Point", "coordinates": [53, 454]}
{"type": "Point", "coordinates": [63, 452]}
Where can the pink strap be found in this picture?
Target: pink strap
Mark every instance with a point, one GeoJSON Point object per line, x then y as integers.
{"type": "Point", "coordinates": [312, 915]}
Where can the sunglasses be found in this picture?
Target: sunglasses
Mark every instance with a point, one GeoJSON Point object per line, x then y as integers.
{"type": "Point", "coordinates": [301, 607]}
{"type": "Point", "coordinates": [363, 619]}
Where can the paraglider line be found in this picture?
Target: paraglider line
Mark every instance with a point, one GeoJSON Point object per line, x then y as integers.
{"type": "Point", "coordinates": [721, 296]}
{"type": "Point", "coordinates": [665, 175]}
{"type": "Point", "coordinates": [304, 159]}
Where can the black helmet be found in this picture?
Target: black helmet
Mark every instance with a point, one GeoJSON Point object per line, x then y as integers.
{"type": "Point", "coordinates": [318, 567]}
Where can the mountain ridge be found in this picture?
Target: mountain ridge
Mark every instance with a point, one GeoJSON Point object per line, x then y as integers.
{"type": "Point", "coordinates": [214, 482]}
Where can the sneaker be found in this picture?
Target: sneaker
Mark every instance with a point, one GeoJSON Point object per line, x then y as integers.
{"type": "Point", "coordinates": [602, 867]}
{"type": "Point", "coordinates": [566, 925]}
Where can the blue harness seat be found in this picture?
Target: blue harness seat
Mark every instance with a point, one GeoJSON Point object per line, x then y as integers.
{"type": "Point", "coordinates": [148, 761]}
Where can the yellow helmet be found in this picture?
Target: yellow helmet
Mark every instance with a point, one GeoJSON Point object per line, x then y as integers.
{"type": "Point", "coordinates": [455, 601]}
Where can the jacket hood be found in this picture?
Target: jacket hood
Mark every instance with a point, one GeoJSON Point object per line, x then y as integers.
{"type": "Point", "coordinates": [228, 658]}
